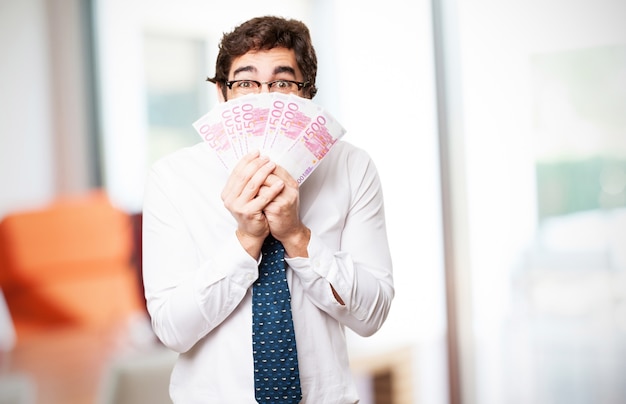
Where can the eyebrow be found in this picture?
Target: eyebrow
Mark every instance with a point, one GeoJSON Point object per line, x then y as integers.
{"type": "Point", "coordinates": [285, 69]}
{"type": "Point", "coordinates": [244, 69]}
{"type": "Point", "coordinates": [277, 70]}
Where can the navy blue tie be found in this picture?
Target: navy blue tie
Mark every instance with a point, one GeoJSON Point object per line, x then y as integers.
{"type": "Point", "coordinates": [276, 374]}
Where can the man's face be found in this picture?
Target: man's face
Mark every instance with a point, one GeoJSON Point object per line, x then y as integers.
{"type": "Point", "coordinates": [264, 66]}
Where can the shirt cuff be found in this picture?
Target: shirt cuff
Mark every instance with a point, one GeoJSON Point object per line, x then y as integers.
{"type": "Point", "coordinates": [232, 262]}
{"type": "Point", "coordinates": [318, 264]}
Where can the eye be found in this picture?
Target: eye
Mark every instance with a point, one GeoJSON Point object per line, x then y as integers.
{"type": "Point", "coordinates": [246, 84]}
{"type": "Point", "coordinates": [282, 84]}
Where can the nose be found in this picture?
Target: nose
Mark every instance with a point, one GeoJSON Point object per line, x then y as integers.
{"type": "Point", "coordinates": [265, 87]}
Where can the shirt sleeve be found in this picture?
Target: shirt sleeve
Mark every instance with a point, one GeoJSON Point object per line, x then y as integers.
{"type": "Point", "coordinates": [360, 269]}
{"type": "Point", "coordinates": [188, 294]}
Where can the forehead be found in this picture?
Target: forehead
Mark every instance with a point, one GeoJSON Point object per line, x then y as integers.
{"type": "Point", "coordinates": [265, 63]}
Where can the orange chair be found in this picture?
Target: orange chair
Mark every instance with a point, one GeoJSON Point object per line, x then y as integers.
{"type": "Point", "coordinates": [69, 264]}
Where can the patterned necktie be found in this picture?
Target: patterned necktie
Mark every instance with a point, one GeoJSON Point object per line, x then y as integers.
{"type": "Point", "coordinates": [276, 374]}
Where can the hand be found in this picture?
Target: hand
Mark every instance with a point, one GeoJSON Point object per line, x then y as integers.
{"type": "Point", "coordinates": [283, 214]}
{"type": "Point", "coordinates": [246, 194]}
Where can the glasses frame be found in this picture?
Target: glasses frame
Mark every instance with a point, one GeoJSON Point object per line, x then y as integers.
{"type": "Point", "coordinates": [269, 84]}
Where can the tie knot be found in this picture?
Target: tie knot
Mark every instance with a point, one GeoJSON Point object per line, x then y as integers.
{"type": "Point", "coordinates": [272, 247]}
{"type": "Point", "coordinates": [270, 240]}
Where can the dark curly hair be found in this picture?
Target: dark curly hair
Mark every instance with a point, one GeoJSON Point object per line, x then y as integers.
{"type": "Point", "coordinates": [264, 33]}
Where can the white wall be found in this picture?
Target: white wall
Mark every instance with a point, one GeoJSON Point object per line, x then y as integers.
{"type": "Point", "coordinates": [498, 41]}
{"type": "Point", "coordinates": [46, 141]}
{"type": "Point", "coordinates": [26, 148]}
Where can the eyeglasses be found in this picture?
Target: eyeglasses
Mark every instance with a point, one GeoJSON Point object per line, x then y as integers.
{"type": "Point", "coordinates": [242, 87]}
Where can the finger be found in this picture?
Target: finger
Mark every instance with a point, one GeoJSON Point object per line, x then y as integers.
{"type": "Point", "coordinates": [271, 179]}
{"type": "Point", "coordinates": [252, 187]}
{"type": "Point", "coordinates": [245, 169]}
{"type": "Point", "coordinates": [284, 175]}
{"type": "Point", "coordinates": [268, 194]}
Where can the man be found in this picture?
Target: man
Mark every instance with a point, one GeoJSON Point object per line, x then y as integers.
{"type": "Point", "coordinates": [204, 230]}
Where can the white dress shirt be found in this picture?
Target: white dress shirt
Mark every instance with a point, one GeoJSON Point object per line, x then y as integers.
{"type": "Point", "coordinates": [198, 277]}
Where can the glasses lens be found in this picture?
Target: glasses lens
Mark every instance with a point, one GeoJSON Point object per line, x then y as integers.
{"type": "Point", "coordinates": [283, 86]}
{"type": "Point", "coordinates": [246, 87]}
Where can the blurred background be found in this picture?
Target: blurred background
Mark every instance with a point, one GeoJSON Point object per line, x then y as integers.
{"type": "Point", "coordinates": [499, 131]}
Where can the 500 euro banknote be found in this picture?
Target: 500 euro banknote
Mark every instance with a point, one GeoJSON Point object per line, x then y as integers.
{"type": "Point", "coordinates": [293, 131]}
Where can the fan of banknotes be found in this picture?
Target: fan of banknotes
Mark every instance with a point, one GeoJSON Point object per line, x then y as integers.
{"type": "Point", "coordinates": [293, 131]}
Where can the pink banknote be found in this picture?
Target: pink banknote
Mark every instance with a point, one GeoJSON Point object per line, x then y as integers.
{"type": "Point", "coordinates": [294, 132]}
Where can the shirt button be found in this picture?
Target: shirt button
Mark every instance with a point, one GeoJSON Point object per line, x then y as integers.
{"type": "Point", "coordinates": [250, 277]}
